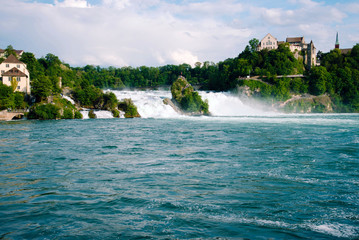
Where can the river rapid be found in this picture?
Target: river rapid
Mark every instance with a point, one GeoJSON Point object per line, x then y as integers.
{"type": "Point", "coordinates": [241, 173]}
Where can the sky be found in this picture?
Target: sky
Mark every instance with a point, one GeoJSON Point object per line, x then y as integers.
{"type": "Point", "coordinates": [159, 32]}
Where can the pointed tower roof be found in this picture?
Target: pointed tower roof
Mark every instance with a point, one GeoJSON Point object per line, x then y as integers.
{"type": "Point", "coordinates": [337, 42]}
{"type": "Point", "coordinates": [12, 59]}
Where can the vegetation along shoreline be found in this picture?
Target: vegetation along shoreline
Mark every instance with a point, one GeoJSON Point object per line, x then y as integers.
{"type": "Point", "coordinates": [279, 77]}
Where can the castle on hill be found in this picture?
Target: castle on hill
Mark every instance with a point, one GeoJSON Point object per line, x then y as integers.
{"type": "Point", "coordinates": [297, 46]}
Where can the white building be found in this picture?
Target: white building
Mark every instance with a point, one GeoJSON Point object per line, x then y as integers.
{"type": "Point", "coordinates": [11, 69]}
{"type": "Point", "coordinates": [269, 42]}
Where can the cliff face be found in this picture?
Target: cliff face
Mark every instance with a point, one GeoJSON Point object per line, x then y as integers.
{"type": "Point", "coordinates": [308, 104]}
{"type": "Point", "coordinates": [304, 103]}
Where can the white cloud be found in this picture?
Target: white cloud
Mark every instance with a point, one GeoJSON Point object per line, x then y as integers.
{"type": "Point", "coordinates": [156, 32]}
{"type": "Point", "coordinates": [351, 8]}
{"type": "Point", "coordinates": [183, 56]}
{"type": "Point", "coordinates": [119, 4]}
{"type": "Point", "coordinates": [308, 3]}
{"type": "Point", "coordinates": [73, 3]}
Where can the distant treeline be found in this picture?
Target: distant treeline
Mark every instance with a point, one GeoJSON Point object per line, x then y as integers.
{"type": "Point", "coordinates": [210, 76]}
{"type": "Point", "coordinates": [337, 76]}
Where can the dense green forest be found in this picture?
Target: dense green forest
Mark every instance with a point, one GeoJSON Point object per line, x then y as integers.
{"type": "Point", "coordinates": [210, 76]}
{"type": "Point", "coordinates": [337, 76]}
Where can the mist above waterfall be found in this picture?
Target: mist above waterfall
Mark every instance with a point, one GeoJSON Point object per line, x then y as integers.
{"type": "Point", "coordinates": [150, 104]}
{"type": "Point", "coordinates": [230, 105]}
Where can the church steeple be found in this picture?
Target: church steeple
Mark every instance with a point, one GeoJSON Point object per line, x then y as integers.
{"type": "Point", "coordinates": [337, 42]}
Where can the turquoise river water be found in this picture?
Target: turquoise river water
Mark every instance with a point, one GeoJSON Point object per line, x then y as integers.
{"type": "Point", "coordinates": [244, 177]}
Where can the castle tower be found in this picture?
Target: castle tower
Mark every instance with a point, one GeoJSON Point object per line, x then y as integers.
{"type": "Point", "coordinates": [337, 42]}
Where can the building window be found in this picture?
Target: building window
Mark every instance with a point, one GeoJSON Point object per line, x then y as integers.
{"type": "Point", "coordinates": [9, 79]}
{"type": "Point", "coordinates": [18, 79]}
{"type": "Point", "coordinates": [7, 65]}
{"type": "Point", "coordinates": [18, 87]}
{"type": "Point", "coordinates": [2, 71]}
{"type": "Point", "coordinates": [18, 66]}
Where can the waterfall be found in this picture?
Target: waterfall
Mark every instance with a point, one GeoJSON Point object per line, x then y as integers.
{"type": "Point", "coordinates": [150, 104]}
{"type": "Point", "coordinates": [98, 113]}
{"type": "Point", "coordinates": [229, 105]}
{"type": "Point", "coordinates": [68, 99]}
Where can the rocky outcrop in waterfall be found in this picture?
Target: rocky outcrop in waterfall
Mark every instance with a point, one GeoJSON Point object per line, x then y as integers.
{"type": "Point", "coordinates": [185, 100]}
{"type": "Point", "coordinates": [129, 108]}
{"type": "Point", "coordinates": [92, 114]}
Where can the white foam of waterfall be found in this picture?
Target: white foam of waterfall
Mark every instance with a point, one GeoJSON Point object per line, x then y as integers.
{"type": "Point", "coordinates": [98, 113]}
{"type": "Point", "coordinates": [227, 104]}
{"type": "Point", "coordinates": [150, 104]}
{"type": "Point", "coordinates": [68, 99]}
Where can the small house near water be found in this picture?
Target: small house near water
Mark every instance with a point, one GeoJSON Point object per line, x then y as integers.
{"type": "Point", "coordinates": [13, 72]}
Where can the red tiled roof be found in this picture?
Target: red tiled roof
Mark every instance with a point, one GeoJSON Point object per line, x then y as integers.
{"type": "Point", "coordinates": [12, 59]}
{"type": "Point", "coordinates": [345, 50]}
{"type": "Point", "coordinates": [14, 72]}
{"type": "Point", "coordinates": [294, 39]}
{"type": "Point", "coordinates": [18, 52]}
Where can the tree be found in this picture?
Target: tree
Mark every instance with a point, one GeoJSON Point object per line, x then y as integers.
{"type": "Point", "coordinates": [6, 96]}
{"type": "Point", "coordinates": [318, 77]}
{"type": "Point", "coordinates": [52, 60]}
{"type": "Point", "coordinates": [10, 51]}
{"type": "Point", "coordinates": [35, 69]}
{"type": "Point", "coordinates": [41, 88]}
{"type": "Point", "coordinates": [253, 43]}
{"type": "Point", "coordinates": [14, 83]}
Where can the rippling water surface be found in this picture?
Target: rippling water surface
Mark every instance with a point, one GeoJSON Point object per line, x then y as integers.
{"type": "Point", "coordinates": [280, 177]}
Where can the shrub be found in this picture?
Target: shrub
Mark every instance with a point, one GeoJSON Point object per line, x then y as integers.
{"type": "Point", "coordinates": [115, 113]}
{"type": "Point", "coordinates": [129, 108]}
{"type": "Point", "coordinates": [44, 112]}
{"type": "Point", "coordinates": [19, 100]}
{"type": "Point", "coordinates": [92, 114]}
{"type": "Point", "coordinates": [68, 114]}
{"type": "Point", "coordinates": [78, 115]}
